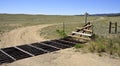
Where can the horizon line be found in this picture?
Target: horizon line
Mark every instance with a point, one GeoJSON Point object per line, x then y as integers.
{"type": "Point", "coordinates": [59, 14]}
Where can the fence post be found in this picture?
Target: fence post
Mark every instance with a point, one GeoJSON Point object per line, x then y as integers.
{"type": "Point", "coordinates": [86, 15]}
{"type": "Point", "coordinates": [110, 27]}
{"type": "Point", "coordinates": [63, 27]}
{"type": "Point", "coordinates": [92, 29]}
{"type": "Point", "coordinates": [115, 27]}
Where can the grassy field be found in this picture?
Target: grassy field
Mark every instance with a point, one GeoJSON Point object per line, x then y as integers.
{"type": "Point", "coordinates": [101, 24]}
{"type": "Point", "coordinates": [101, 27]}
{"type": "Point", "coordinates": [12, 21]}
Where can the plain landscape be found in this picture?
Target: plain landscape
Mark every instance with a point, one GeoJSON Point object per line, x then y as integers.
{"type": "Point", "coordinates": [19, 29]}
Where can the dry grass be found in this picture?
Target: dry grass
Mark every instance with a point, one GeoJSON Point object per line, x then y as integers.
{"type": "Point", "coordinates": [103, 45]}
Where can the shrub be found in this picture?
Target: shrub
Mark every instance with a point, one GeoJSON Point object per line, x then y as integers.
{"type": "Point", "coordinates": [77, 46]}
{"type": "Point", "coordinates": [94, 36]}
{"type": "Point", "coordinates": [91, 47]}
{"type": "Point", "coordinates": [100, 48]}
{"type": "Point", "coordinates": [61, 33]}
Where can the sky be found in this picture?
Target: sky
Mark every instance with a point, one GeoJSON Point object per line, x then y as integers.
{"type": "Point", "coordinates": [59, 7]}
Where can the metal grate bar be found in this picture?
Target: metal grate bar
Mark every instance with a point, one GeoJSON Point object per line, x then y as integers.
{"type": "Point", "coordinates": [50, 45]}
{"type": "Point", "coordinates": [8, 55]}
{"type": "Point", "coordinates": [24, 51]}
{"type": "Point", "coordinates": [38, 48]}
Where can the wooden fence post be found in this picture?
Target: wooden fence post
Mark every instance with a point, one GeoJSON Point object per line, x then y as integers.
{"type": "Point", "coordinates": [116, 27]}
{"type": "Point", "coordinates": [110, 27]}
{"type": "Point", "coordinates": [63, 27]}
{"type": "Point", "coordinates": [86, 15]}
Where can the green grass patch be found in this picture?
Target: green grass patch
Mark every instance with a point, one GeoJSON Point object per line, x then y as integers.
{"type": "Point", "coordinates": [78, 46]}
{"type": "Point", "coordinates": [61, 33]}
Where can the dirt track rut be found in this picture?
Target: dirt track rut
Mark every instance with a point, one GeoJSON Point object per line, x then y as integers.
{"type": "Point", "coordinates": [24, 35]}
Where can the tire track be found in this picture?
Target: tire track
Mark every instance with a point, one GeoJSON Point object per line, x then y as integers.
{"type": "Point", "coordinates": [24, 35]}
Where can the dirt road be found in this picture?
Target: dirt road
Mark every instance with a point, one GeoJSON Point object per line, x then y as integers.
{"type": "Point", "coordinates": [67, 57]}
{"type": "Point", "coordinates": [24, 35]}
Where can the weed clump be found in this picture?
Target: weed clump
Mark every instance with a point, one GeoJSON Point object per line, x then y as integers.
{"type": "Point", "coordinates": [105, 45]}
{"type": "Point", "coordinates": [77, 46]}
{"type": "Point", "coordinates": [61, 33]}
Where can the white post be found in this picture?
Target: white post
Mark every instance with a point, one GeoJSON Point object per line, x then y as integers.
{"type": "Point", "coordinates": [86, 15]}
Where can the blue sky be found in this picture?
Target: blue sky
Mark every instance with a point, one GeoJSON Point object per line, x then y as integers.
{"type": "Point", "coordinates": [59, 7]}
